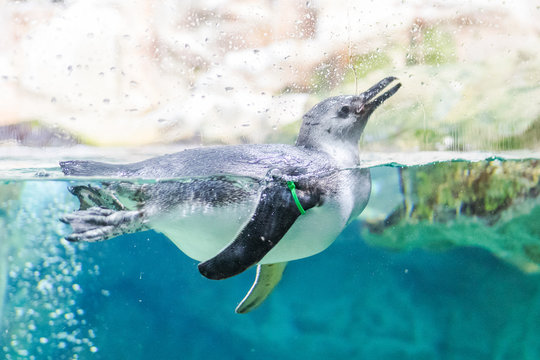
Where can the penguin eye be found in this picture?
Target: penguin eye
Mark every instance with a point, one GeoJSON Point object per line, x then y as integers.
{"type": "Point", "coordinates": [344, 111]}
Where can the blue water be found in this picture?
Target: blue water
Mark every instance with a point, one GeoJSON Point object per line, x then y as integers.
{"type": "Point", "coordinates": [139, 297]}
{"type": "Point", "coordinates": [350, 302]}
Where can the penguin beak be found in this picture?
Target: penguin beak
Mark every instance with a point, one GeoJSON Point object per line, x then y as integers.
{"type": "Point", "coordinates": [365, 107]}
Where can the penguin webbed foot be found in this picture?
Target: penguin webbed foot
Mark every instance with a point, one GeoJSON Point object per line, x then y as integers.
{"type": "Point", "coordinates": [266, 279]}
{"type": "Point", "coordinates": [98, 224]}
{"type": "Point", "coordinates": [91, 196]}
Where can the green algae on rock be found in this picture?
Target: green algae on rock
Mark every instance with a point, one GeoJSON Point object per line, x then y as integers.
{"type": "Point", "coordinates": [493, 204]}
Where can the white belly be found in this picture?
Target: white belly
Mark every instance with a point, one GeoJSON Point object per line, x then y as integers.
{"type": "Point", "coordinates": [201, 233]}
{"type": "Point", "coordinates": [310, 234]}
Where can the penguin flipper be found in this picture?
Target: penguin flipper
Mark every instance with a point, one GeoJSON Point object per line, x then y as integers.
{"type": "Point", "coordinates": [268, 276]}
{"type": "Point", "coordinates": [273, 217]}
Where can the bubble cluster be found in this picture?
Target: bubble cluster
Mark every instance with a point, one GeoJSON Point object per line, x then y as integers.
{"type": "Point", "coordinates": [41, 316]}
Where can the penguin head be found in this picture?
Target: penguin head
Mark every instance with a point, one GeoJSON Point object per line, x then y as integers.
{"type": "Point", "coordinates": [340, 120]}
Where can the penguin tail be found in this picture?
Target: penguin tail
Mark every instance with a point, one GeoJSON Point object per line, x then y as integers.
{"type": "Point", "coordinates": [92, 168]}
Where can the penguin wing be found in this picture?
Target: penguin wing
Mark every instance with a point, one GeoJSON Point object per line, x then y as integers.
{"type": "Point", "coordinates": [276, 212]}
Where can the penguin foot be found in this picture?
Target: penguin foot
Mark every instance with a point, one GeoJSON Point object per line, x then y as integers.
{"type": "Point", "coordinates": [97, 224]}
{"type": "Point", "coordinates": [268, 276]}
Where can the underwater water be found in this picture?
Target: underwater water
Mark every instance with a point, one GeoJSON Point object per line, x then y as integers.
{"type": "Point", "coordinates": [442, 264]}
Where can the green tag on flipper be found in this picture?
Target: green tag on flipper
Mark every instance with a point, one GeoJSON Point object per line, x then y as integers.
{"type": "Point", "coordinates": [292, 187]}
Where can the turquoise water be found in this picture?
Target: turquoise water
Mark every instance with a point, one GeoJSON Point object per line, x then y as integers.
{"type": "Point", "coordinates": [139, 297]}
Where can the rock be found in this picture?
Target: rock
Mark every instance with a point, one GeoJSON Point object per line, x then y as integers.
{"type": "Point", "coordinates": [493, 205]}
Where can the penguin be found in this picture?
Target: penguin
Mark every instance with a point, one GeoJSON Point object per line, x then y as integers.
{"type": "Point", "coordinates": [234, 207]}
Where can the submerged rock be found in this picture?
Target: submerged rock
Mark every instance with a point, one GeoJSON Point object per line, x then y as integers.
{"type": "Point", "coordinates": [493, 204]}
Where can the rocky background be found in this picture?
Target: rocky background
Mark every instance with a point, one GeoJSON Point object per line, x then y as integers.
{"type": "Point", "coordinates": [119, 73]}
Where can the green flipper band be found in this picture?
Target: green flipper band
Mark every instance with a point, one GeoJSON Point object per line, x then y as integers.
{"type": "Point", "coordinates": [292, 187]}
